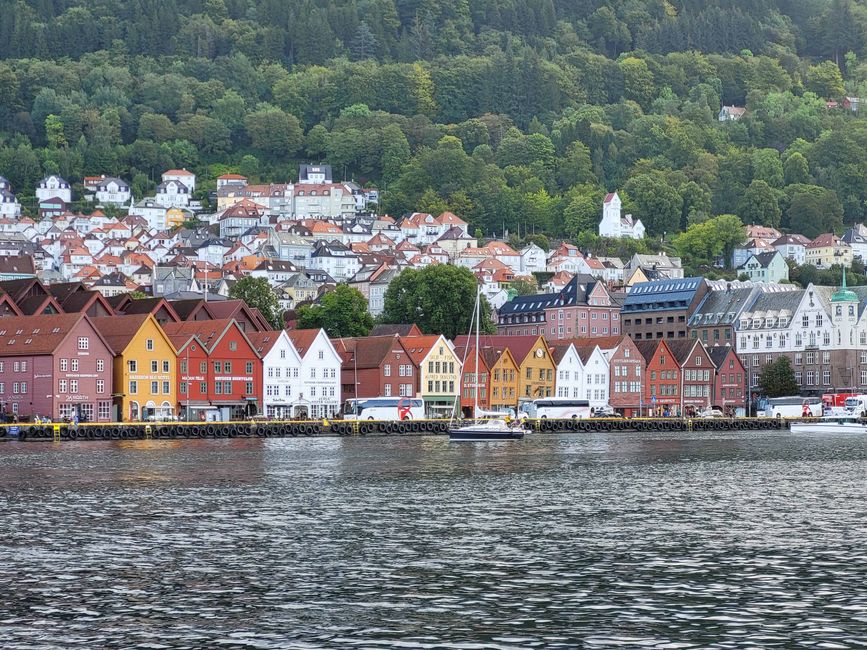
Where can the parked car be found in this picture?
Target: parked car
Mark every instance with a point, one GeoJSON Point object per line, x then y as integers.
{"type": "Point", "coordinates": [711, 413]}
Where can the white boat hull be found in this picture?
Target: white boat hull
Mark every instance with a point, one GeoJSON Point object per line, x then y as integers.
{"type": "Point", "coordinates": [828, 427]}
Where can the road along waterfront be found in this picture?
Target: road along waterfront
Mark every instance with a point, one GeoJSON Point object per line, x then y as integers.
{"type": "Point", "coordinates": [636, 539]}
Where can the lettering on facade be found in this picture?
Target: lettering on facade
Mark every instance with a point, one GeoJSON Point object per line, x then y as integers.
{"type": "Point", "coordinates": [233, 378]}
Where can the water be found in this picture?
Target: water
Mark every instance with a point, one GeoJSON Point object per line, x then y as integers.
{"type": "Point", "coordinates": [663, 540]}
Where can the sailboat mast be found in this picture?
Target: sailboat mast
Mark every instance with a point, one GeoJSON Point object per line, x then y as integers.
{"type": "Point", "coordinates": [478, 310]}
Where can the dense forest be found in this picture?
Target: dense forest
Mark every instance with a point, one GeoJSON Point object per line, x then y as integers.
{"type": "Point", "coordinates": [516, 114]}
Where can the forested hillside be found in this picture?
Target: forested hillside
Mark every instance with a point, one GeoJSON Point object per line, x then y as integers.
{"type": "Point", "coordinates": [513, 113]}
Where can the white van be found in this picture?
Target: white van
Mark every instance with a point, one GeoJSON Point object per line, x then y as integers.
{"type": "Point", "coordinates": [857, 404]}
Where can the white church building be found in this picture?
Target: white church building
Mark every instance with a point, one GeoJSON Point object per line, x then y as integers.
{"type": "Point", "coordinates": [617, 225]}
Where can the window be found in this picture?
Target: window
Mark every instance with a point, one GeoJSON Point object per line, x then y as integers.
{"type": "Point", "coordinates": [386, 370]}
{"type": "Point", "coordinates": [100, 385]}
{"type": "Point", "coordinates": [826, 377]}
{"type": "Point", "coordinates": [104, 411]}
{"type": "Point", "coordinates": [387, 390]}
{"type": "Point", "coordinates": [155, 366]}
{"type": "Point", "coordinates": [133, 387]}
{"type": "Point", "coordinates": [166, 388]}
{"type": "Point", "coordinates": [83, 343]}
{"type": "Point", "coordinates": [249, 367]}
{"type": "Point", "coordinates": [61, 386]}
{"type": "Point", "coordinates": [227, 387]}
{"type": "Point", "coordinates": [64, 365]}
{"type": "Point", "coordinates": [218, 367]}
{"type": "Point", "coordinates": [183, 388]}
{"type": "Point", "coordinates": [233, 346]}
{"type": "Point", "coordinates": [203, 367]}
{"type": "Point", "coordinates": [227, 367]}
{"type": "Point", "coordinates": [166, 366]}
{"type": "Point", "coordinates": [100, 365]}
{"type": "Point", "coordinates": [218, 388]}
{"type": "Point", "coordinates": [321, 354]}
{"type": "Point", "coordinates": [203, 387]}
{"type": "Point", "coordinates": [805, 321]}
{"type": "Point", "coordinates": [73, 386]}
{"type": "Point", "coordinates": [248, 389]}
{"type": "Point", "coordinates": [155, 387]}
{"type": "Point", "coordinates": [826, 357]}
{"type": "Point", "coordinates": [149, 344]}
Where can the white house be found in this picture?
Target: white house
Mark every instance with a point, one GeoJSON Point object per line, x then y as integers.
{"type": "Point", "coordinates": [187, 178]}
{"type": "Point", "coordinates": [154, 213]}
{"type": "Point", "coordinates": [616, 225]}
{"type": "Point", "coordinates": [9, 206]}
{"type": "Point", "coordinates": [596, 380]}
{"type": "Point", "coordinates": [319, 386]}
{"type": "Point", "coordinates": [53, 186]}
{"type": "Point", "coordinates": [570, 370]}
{"type": "Point", "coordinates": [173, 194]}
{"type": "Point", "coordinates": [112, 191]}
{"type": "Point", "coordinates": [533, 259]}
{"type": "Point", "coordinates": [335, 259]}
{"type": "Point", "coordinates": [281, 372]}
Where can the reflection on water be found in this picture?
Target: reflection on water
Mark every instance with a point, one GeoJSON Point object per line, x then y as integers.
{"type": "Point", "coordinates": [640, 540]}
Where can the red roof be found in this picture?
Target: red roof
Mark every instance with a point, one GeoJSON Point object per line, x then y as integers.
{"type": "Point", "coordinates": [302, 339]}
{"type": "Point", "coordinates": [35, 335]}
{"type": "Point", "coordinates": [609, 197]}
{"type": "Point", "coordinates": [519, 346]}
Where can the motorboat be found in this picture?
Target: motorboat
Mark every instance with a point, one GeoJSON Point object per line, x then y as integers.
{"type": "Point", "coordinates": [835, 423]}
{"type": "Point", "coordinates": [487, 430]}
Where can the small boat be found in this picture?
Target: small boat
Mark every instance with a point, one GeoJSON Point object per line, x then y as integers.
{"type": "Point", "coordinates": [486, 430]}
{"type": "Point", "coordinates": [497, 428]}
{"type": "Point", "coordinates": [849, 423]}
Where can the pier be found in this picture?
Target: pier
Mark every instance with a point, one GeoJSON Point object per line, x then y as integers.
{"type": "Point", "coordinates": [340, 428]}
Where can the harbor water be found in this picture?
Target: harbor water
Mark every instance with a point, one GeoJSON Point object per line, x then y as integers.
{"type": "Point", "coordinates": [659, 540]}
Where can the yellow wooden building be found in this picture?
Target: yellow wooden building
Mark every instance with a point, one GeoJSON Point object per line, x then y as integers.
{"type": "Point", "coordinates": [145, 367]}
{"type": "Point", "coordinates": [439, 372]}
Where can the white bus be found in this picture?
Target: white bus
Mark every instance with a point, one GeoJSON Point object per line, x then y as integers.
{"type": "Point", "coordinates": [383, 408]}
{"type": "Point", "coordinates": [556, 408]}
{"type": "Point", "coordinates": [792, 407]}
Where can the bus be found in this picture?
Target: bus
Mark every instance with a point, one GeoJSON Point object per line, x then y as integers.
{"type": "Point", "coordinates": [792, 407]}
{"type": "Point", "coordinates": [384, 408]}
{"type": "Point", "coordinates": [556, 408]}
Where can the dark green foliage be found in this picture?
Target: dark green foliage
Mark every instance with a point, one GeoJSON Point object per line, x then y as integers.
{"type": "Point", "coordinates": [777, 379]}
{"type": "Point", "coordinates": [439, 299]}
{"type": "Point", "coordinates": [342, 312]}
{"type": "Point", "coordinates": [258, 294]}
{"type": "Point", "coordinates": [517, 115]}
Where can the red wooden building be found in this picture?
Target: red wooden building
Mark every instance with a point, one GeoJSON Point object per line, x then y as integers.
{"type": "Point", "coordinates": [661, 378]}
{"type": "Point", "coordinates": [730, 379]}
{"type": "Point", "coordinates": [375, 366]}
{"type": "Point", "coordinates": [697, 372]}
{"type": "Point", "coordinates": [219, 370]}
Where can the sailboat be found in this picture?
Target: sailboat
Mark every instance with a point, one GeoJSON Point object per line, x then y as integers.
{"type": "Point", "coordinates": [480, 430]}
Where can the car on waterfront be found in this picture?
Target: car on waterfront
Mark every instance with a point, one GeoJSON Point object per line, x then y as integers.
{"type": "Point", "coordinates": [710, 413]}
{"type": "Point", "coordinates": [606, 411]}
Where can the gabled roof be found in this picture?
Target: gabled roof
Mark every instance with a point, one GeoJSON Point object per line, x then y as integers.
{"type": "Point", "coordinates": [367, 352]}
{"type": "Point", "coordinates": [17, 264]}
{"type": "Point", "coordinates": [302, 339]}
{"type": "Point", "coordinates": [402, 329]}
{"type": "Point", "coordinates": [718, 354]}
{"type": "Point", "coordinates": [119, 331]}
{"type": "Point", "coordinates": [150, 306]}
{"type": "Point", "coordinates": [208, 332]}
{"type": "Point", "coordinates": [519, 346]}
{"type": "Point", "coordinates": [418, 347]}
{"type": "Point", "coordinates": [36, 335]}
{"type": "Point", "coordinates": [262, 342]}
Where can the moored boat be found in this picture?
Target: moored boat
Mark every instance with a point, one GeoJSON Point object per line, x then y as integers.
{"type": "Point", "coordinates": [831, 424]}
{"type": "Point", "coordinates": [486, 430]}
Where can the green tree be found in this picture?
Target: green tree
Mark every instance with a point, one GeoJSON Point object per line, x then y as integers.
{"type": "Point", "coordinates": [657, 203]}
{"type": "Point", "coordinates": [274, 132]}
{"type": "Point", "coordinates": [250, 168]}
{"type": "Point", "coordinates": [796, 169]}
{"type": "Point", "coordinates": [440, 299]}
{"type": "Point", "coordinates": [54, 134]}
{"type": "Point", "coordinates": [767, 167]}
{"type": "Point", "coordinates": [364, 45]}
{"type": "Point", "coordinates": [638, 83]}
{"type": "Point", "coordinates": [341, 313]}
{"type": "Point", "coordinates": [525, 286]}
{"type": "Point", "coordinates": [777, 379]}
{"type": "Point", "coordinates": [702, 244]}
{"type": "Point", "coordinates": [825, 80]}
{"type": "Point", "coordinates": [760, 205]}
{"type": "Point", "coordinates": [814, 210]}
{"type": "Point", "coordinates": [258, 294]}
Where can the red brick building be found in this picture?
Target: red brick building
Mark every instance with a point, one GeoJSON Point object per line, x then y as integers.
{"type": "Point", "coordinates": [54, 365]}
{"type": "Point", "coordinates": [375, 366]}
{"type": "Point", "coordinates": [219, 371]}
{"type": "Point", "coordinates": [729, 379]}
{"type": "Point", "coordinates": [662, 378]}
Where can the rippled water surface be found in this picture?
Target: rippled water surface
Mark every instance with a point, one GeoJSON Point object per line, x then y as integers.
{"type": "Point", "coordinates": [668, 540]}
